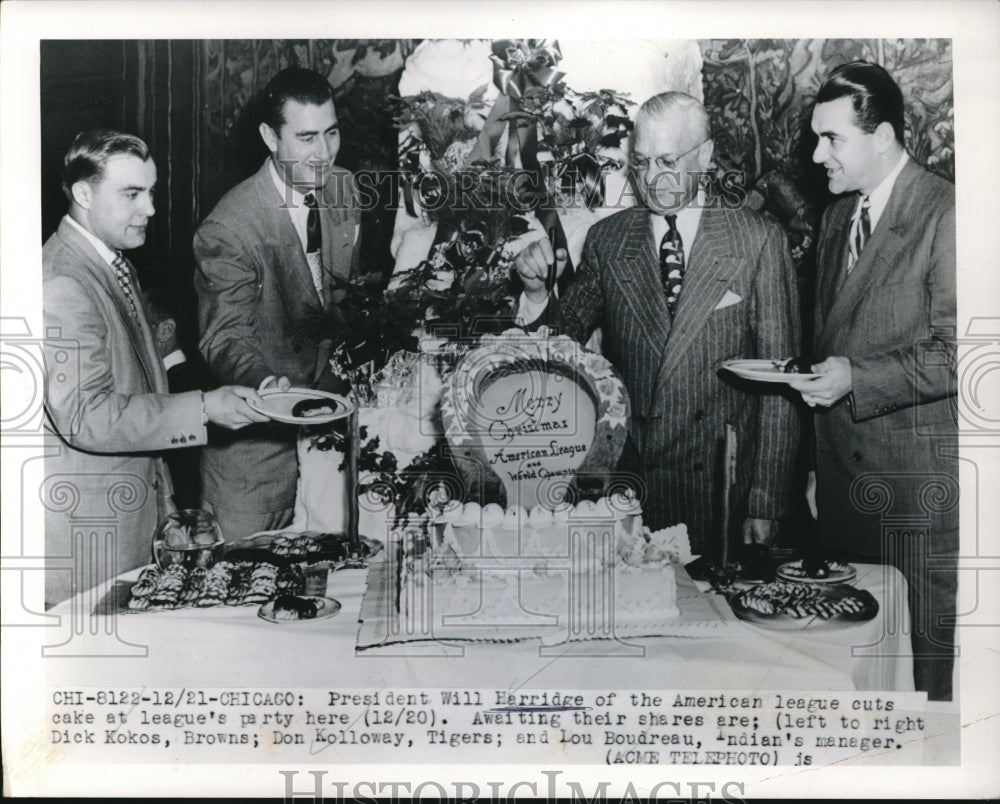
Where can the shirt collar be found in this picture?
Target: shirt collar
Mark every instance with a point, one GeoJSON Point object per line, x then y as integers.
{"type": "Point", "coordinates": [283, 188]}
{"type": "Point", "coordinates": [687, 220]}
{"type": "Point", "coordinates": [101, 247]}
{"type": "Point", "coordinates": [878, 199]}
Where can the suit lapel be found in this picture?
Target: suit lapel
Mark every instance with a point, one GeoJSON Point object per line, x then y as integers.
{"type": "Point", "coordinates": [296, 285]}
{"type": "Point", "coordinates": [709, 268]}
{"type": "Point", "coordinates": [835, 267]}
{"type": "Point", "coordinates": [139, 334]}
{"type": "Point", "coordinates": [879, 253]}
{"type": "Point", "coordinates": [638, 274]}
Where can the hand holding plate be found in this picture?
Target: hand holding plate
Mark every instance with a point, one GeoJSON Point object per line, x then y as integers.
{"type": "Point", "coordinates": [834, 384]}
{"type": "Point", "coordinates": [228, 407]}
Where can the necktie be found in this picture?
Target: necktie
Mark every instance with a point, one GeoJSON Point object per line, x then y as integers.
{"type": "Point", "coordinates": [862, 231]}
{"type": "Point", "coordinates": [123, 273]}
{"type": "Point", "coordinates": [314, 243]}
{"type": "Point", "coordinates": [672, 262]}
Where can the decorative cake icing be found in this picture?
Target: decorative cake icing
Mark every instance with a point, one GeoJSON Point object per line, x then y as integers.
{"type": "Point", "coordinates": [590, 566]}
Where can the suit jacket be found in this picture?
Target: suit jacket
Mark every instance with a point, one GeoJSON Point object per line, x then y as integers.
{"type": "Point", "coordinates": [894, 318]}
{"type": "Point", "coordinates": [109, 413]}
{"type": "Point", "coordinates": [670, 365]}
{"type": "Point", "coordinates": [254, 289]}
{"type": "Point", "coordinates": [185, 464]}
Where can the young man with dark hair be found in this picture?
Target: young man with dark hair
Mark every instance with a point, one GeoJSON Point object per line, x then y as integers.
{"type": "Point", "coordinates": [276, 247]}
{"type": "Point", "coordinates": [886, 481]}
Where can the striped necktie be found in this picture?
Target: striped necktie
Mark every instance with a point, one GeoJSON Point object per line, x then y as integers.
{"type": "Point", "coordinates": [861, 231]}
{"type": "Point", "coordinates": [314, 243]}
{"type": "Point", "coordinates": [672, 262]}
{"type": "Point", "coordinates": [123, 273]}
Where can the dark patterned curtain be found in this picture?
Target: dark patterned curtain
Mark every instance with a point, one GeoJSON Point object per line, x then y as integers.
{"type": "Point", "coordinates": [760, 92]}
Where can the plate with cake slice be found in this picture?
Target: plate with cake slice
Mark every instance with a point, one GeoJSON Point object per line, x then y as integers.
{"type": "Point", "coordinates": [816, 570]}
{"type": "Point", "coordinates": [286, 609]}
{"type": "Point", "coordinates": [302, 406]}
{"type": "Point", "coordinates": [782, 369]}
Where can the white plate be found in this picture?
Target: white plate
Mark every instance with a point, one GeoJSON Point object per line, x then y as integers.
{"type": "Point", "coordinates": [763, 371]}
{"type": "Point", "coordinates": [839, 573]}
{"type": "Point", "coordinates": [278, 405]}
{"type": "Point", "coordinates": [327, 608]}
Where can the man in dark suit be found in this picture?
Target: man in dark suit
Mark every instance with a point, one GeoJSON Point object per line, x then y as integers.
{"type": "Point", "coordinates": [106, 400]}
{"type": "Point", "coordinates": [184, 373]}
{"type": "Point", "coordinates": [678, 286]}
{"type": "Point", "coordinates": [274, 249]}
{"type": "Point", "coordinates": [885, 328]}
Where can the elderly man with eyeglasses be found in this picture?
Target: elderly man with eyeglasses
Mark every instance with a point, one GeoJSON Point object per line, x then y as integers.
{"type": "Point", "coordinates": [679, 285]}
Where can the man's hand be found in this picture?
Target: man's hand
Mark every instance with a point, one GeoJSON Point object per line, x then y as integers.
{"type": "Point", "coordinates": [227, 407]}
{"type": "Point", "coordinates": [835, 383]}
{"type": "Point", "coordinates": [759, 531]}
{"type": "Point", "coordinates": [282, 383]}
{"type": "Point", "coordinates": [534, 264]}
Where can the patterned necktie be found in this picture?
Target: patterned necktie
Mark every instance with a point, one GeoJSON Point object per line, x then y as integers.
{"type": "Point", "coordinates": [672, 262]}
{"type": "Point", "coordinates": [314, 243]}
{"type": "Point", "coordinates": [862, 231]}
{"type": "Point", "coordinates": [123, 273]}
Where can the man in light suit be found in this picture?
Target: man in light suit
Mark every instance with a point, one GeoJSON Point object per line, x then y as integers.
{"type": "Point", "coordinates": [675, 297]}
{"type": "Point", "coordinates": [266, 261]}
{"type": "Point", "coordinates": [106, 400]}
{"type": "Point", "coordinates": [885, 330]}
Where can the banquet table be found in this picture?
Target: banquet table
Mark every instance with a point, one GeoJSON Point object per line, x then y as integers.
{"type": "Point", "coordinates": [224, 646]}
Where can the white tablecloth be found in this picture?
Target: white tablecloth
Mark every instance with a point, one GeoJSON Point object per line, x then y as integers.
{"type": "Point", "coordinates": [232, 646]}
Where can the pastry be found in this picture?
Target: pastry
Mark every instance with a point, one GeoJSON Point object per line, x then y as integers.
{"type": "Point", "coordinates": [292, 607]}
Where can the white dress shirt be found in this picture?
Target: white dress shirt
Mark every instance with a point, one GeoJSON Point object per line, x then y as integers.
{"type": "Point", "coordinates": [879, 197]}
{"type": "Point", "coordinates": [687, 224]}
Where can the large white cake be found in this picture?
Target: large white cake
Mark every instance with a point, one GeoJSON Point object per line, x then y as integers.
{"type": "Point", "coordinates": [585, 570]}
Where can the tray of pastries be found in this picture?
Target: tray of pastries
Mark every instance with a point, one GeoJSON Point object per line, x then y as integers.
{"type": "Point", "coordinates": [792, 605]}
{"type": "Point", "coordinates": [227, 583]}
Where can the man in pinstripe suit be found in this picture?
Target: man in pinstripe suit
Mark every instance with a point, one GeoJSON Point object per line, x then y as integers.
{"type": "Point", "coordinates": [738, 299]}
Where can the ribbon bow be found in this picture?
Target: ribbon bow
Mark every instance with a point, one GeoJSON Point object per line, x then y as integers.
{"type": "Point", "coordinates": [521, 63]}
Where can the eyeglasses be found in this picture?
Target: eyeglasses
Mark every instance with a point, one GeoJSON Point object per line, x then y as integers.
{"type": "Point", "coordinates": [663, 162]}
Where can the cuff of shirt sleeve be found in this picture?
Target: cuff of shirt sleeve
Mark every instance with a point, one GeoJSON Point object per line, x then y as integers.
{"type": "Point", "coordinates": [528, 311]}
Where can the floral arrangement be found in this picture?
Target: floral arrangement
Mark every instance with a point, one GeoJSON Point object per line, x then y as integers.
{"type": "Point", "coordinates": [437, 123]}
{"type": "Point", "coordinates": [576, 132]}
{"type": "Point", "coordinates": [569, 133]}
